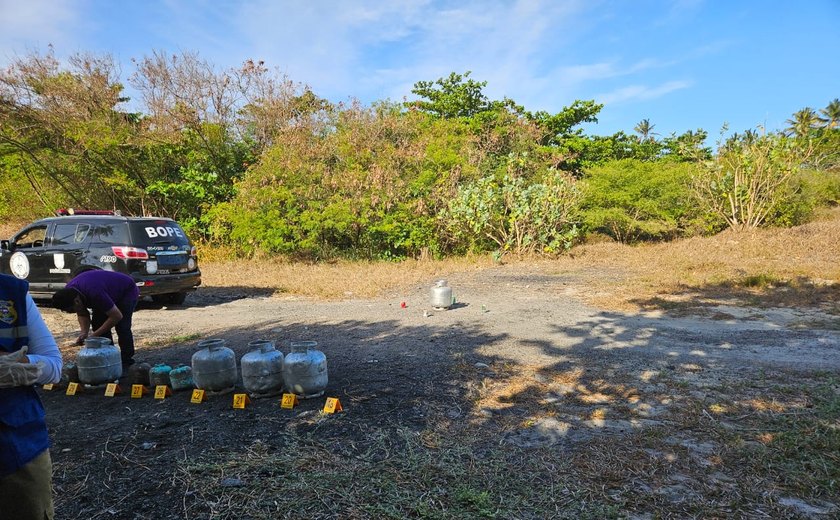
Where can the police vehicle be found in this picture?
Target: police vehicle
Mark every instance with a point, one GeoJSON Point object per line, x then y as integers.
{"type": "Point", "coordinates": [154, 251]}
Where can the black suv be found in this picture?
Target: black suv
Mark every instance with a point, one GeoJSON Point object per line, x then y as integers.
{"type": "Point", "coordinates": [154, 251]}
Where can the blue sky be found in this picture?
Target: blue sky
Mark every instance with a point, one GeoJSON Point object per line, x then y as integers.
{"type": "Point", "coordinates": [682, 64]}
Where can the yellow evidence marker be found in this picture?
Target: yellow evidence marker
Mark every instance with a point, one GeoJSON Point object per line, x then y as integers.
{"type": "Point", "coordinates": [332, 405]}
{"type": "Point", "coordinates": [112, 389]}
{"type": "Point", "coordinates": [197, 396]}
{"type": "Point", "coordinates": [162, 391]}
{"type": "Point", "coordinates": [289, 401]}
{"type": "Point", "coordinates": [138, 391]}
{"type": "Point", "coordinates": [240, 400]}
{"type": "Point", "coordinates": [72, 388]}
{"type": "Point", "coordinates": [48, 386]}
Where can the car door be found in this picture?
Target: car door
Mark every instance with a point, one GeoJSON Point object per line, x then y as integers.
{"type": "Point", "coordinates": [28, 260]}
{"type": "Point", "coordinates": [66, 244]}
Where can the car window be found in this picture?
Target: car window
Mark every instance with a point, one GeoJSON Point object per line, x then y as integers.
{"type": "Point", "coordinates": [155, 232]}
{"type": "Point", "coordinates": [116, 233]}
{"type": "Point", "coordinates": [33, 237]}
{"type": "Point", "coordinates": [69, 234]}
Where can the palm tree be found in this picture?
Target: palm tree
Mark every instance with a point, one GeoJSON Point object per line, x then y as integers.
{"type": "Point", "coordinates": [802, 123]}
{"type": "Point", "coordinates": [831, 113]}
{"type": "Point", "coordinates": [645, 130]}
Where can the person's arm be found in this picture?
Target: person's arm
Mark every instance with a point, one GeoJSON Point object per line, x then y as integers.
{"type": "Point", "coordinates": [113, 317]}
{"type": "Point", "coordinates": [84, 326]}
{"type": "Point", "coordinates": [42, 346]}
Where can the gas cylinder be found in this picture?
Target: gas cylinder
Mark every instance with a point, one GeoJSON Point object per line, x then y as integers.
{"type": "Point", "coordinates": [69, 374]}
{"type": "Point", "coordinates": [180, 378]}
{"type": "Point", "coordinates": [305, 370]}
{"type": "Point", "coordinates": [262, 369]}
{"type": "Point", "coordinates": [441, 295]}
{"type": "Point", "coordinates": [159, 375]}
{"type": "Point", "coordinates": [138, 374]}
{"type": "Point", "coordinates": [214, 366]}
{"type": "Point", "coordinates": [99, 362]}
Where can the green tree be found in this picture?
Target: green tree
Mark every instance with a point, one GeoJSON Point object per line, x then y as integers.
{"type": "Point", "coordinates": [803, 123]}
{"type": "Point", "coordinates": [450, 97]}
{"type": "Point", "coordinates": [688, 146]}
{"type": "Point", "coordinates": [645, 130]}
{"type": "Point", "coordinates": [831, 114]}
{"type": "Point", "coordinates": [63, 130]}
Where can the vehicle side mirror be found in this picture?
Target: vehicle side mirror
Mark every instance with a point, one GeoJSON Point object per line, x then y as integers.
{"type": "Point", "coordinates": [4, 244]}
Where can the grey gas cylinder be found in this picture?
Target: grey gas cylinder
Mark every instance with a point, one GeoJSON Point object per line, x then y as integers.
{"type": "Point", "coordinates": [262, 369]}
{"type": "Point", "coordinates": [180, 378]}
{"type": "Point", "coordinates": [441, 295]}
{"type": "Point", "coordinates": [69, 373]}
{"type": "Point", "coordinates": [214, 366]}
{"type": "Point", "coordinates": [305, 370]}
{"type": "Point", "coordinates": [138, 374]}
{"type": "Point", "coordinates": [159, 375]}
{"type": "Point", "coordinates": [99, 362]}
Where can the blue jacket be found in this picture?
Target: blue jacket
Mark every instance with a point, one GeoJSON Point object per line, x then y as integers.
{"type": "Point", "coordinates": [23, 429]}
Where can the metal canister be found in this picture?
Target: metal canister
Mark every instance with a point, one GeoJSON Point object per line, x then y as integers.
{"type": "Point", "coordinates": [180, 378]}
{"type": "Point", "coordinates": [138, 374]}
{"type": "Point", "coordinates": [159, 375]}
{"type": "Point", "coordinates": [214, 366]}
{"type": "Point", "coordinates": [305, 370]}
{"type": "Point", "coordinates": [262, 369]}
{"type": "Point", "coordinates": [99, 362]}
{"type": "Point", "coordinates": [441, 295]}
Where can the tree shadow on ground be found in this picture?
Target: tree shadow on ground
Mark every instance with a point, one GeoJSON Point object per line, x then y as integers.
{"type": "Point", "coordinates": [585, 401]}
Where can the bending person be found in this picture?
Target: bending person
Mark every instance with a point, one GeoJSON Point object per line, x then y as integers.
{"type": "Point", "coordinates": [28, 356]}
{"type": "Point", "coordinates": [112, 297]}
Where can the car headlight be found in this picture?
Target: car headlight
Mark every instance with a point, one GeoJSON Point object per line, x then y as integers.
{"type": "Point", "coordinates": [191, 264]}
{"type": "Point", "coordinates": [151, 266]}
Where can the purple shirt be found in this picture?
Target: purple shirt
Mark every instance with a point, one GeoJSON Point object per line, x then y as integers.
{"type": "Point", "coordinates": [101, 290]}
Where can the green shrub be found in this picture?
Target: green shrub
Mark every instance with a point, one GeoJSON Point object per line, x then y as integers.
{"type": "Point", "coordinates": [631, 200]}
{"type": "Point", "coordinates": [515, 215]}
{"type": "Point", "coordinates": [821, 187]}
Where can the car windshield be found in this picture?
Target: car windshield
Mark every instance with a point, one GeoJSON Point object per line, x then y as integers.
{"type": "Point", "coordinates": [156, 232]}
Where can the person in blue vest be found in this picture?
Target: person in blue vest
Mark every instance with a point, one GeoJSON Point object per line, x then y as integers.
{"type": "Point", "coordinates": [112, 297]}
{"type": "Point", "coordinates": [28, 356]}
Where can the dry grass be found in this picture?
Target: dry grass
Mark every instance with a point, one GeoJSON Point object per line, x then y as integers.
{"type": "Point", "coordinates": [334, 280]}
{"type": "Point", "coordinates": [788, 267]}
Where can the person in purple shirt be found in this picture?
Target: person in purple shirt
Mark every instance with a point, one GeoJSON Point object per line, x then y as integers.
{"type": "Point", "coordinates": [112, 297]}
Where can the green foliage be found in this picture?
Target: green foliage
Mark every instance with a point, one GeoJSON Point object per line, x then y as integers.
{"type": "Point", "coordinates": [752, 182]}
{"type": "Point", "coordinates": [454, 96]}
{"type": "Point", "coordinates": [821, 187]}
{"type": "Point", "coordinates": [631, 200]}
{"type": "Point", "coordinates": [688, 146]}
{"type": "Point", "coordinates": [260, 164]}
{"type": "Point", "coordinates": [515, 215]}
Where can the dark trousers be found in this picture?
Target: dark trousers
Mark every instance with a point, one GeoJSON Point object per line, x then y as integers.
{"type": "Point", "coordinates": [124, 334]}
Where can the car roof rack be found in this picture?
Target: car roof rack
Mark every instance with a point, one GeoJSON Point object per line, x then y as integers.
{"type": "Point", "coordinates": [66, 212]}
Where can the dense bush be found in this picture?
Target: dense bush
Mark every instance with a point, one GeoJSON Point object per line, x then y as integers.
{"type": "Point", "coordinates": [247, 159]}
{"type": "Point", "coordinates": [511, 214]}
{"type": "Point", "coordinates": [632, 200]}
{"type": "Point", "coordinates": [753, 182]}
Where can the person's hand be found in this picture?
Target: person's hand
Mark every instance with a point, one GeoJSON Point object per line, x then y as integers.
{"type": "Point", "coordinates": [16, 370]}
{"type": "Point", "coordinates": [81, 339]}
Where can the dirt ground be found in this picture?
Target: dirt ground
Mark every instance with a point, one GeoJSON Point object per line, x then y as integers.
{"type": "Point", "coordinates": [630, 414]}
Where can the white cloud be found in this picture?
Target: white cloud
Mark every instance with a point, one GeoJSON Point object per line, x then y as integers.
{"type": "Point", "coordinates": [31, 25]}
{"type": "Point", "coordinates": [641, 92]}
{"type": "Point", "coordinates": [373, 49]}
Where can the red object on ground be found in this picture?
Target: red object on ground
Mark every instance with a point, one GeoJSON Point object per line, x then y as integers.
{"type": "Point", "coordinates": [402, 305]}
